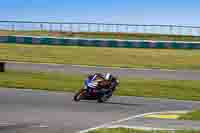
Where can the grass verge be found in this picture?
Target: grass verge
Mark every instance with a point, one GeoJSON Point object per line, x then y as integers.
{"type": "Point", "coordinates": [195, 115]}
{"type": "Point", "coordinates": [125, 130]}
{"type": "Point", "coordinates": [172, 89]}
{"type": "Point", "coordinates": [114, 57]}
{"type": "Point", "coordinates": [105, 35]}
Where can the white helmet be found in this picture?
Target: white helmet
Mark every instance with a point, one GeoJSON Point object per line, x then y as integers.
{"type": "Point", "coordinates": [108, 76]}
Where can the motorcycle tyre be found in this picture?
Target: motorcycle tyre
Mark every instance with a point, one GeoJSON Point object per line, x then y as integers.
{"type": "Point", "coordinates": [79, 95]}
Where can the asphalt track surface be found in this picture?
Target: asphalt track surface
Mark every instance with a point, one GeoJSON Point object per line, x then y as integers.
{"type": "Point", "coordinates": [121, 72]}
{"type": "Point", "coordinates": [27, 111]}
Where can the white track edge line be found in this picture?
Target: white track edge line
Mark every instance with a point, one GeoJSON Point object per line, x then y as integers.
{"type": "Point", "coordinates": [107, 125]}
{"type": "Point", "coordinates": [140, 128]}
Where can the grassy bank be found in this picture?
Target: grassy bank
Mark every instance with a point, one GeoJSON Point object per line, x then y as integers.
{"type": "Point", "coordinates": [106, 35]}
{"type": "Point", "coordinates": [115, 57]}
{"type": "Point", "coordinates": [185, 90]}
{"type": "Point", "coordinates": [195, 115]}
{"type": "Point", "coordinates": [124, 130]}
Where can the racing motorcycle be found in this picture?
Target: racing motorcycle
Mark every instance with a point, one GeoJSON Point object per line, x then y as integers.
{"type": "Point", "coordinates": [96, 89]}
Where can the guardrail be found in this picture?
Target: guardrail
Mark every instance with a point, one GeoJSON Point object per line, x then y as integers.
{"type": "Point", "coordinates": [99, 27]}
{"type": "Point", "coordinates": [99, 42]}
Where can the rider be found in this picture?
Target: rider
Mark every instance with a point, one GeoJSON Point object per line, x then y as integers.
{"type": "Point", "coordinates": [109, 78]}
{"type": "Point", "coordinates": [112, 80]}
{"type": "Point", "coordinates": [107, 81]}
{"type": "Point", "coordinates": [109, 84]}
{"type": "Point", "coordinates": [95, 76]}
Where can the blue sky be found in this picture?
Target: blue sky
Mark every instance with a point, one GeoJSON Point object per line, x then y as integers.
{"type": "Point", "coordinates": [179, 12]}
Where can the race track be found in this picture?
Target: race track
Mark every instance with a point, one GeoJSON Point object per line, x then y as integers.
{"type": "Point", "coordinates": [121, 72]}
{"type": "Point", "coordinates": [27, 111]}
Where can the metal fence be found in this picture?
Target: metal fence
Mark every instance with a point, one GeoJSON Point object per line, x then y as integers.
{"type": "Point", "coordinates": [98, 27]}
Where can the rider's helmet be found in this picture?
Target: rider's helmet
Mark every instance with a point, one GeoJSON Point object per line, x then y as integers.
{"type": "Point", "coordinates": [108, 76]}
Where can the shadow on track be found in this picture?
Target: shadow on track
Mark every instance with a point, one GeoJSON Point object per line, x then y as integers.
{"type": "Point", "coordinates": [124, 104]}
{"type": "Point", "coordinates": [113, 103]}
{"type": "Point", "coordinates": [19, 126]}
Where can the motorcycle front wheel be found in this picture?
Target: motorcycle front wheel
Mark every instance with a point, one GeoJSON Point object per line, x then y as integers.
{"type": "Point", "coordinates": [79, 95]}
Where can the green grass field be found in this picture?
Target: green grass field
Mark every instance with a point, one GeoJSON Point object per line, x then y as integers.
{"type": "Point", "coordinates": [195, 115]}
{"type": "Point", "coordinates": [114, 57]}
{"type": "Point", "coordinates": [124, 130]}
{"type": "Point", "coordinates": [108, 35]}
{"type": "Point", "coordinates": [172, 89]}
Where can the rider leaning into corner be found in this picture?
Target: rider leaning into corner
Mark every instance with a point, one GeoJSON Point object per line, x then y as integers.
{"type": "Point", "coordinates": [107, 81]}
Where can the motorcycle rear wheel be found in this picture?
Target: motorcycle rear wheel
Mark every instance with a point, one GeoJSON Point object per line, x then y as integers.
{"type": "Point", "coordinates": [102, 99]}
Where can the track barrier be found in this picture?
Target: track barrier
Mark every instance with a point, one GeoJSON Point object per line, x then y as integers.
{"type": "Point", "coordinates": [100, 42]}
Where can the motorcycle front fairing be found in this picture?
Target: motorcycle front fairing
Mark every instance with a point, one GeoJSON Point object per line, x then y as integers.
{"type": "Point", "coordinates": [91, 87]}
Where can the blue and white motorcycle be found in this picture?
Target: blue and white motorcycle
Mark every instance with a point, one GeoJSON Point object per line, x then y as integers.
{"type": "Point", "coordinates": [95, 89]}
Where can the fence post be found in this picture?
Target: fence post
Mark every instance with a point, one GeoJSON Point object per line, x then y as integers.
{"type": "Point", "coordinates": [180, 31]}
{"type": "Point", "coordinates": [13, 27]}
{"type": "Point", "coordinates": [2, 66]}
{"type": "Point", "coordinates": [88, 27]}
{"type": "Point", "coordinates": [98, 27]}
{"type": "Point", "coordinates": [50, 27]}
{"type": "Point", "coordinates": [41, 27]}
{"type": "Point", "coordinates": [136, 29]}
{"type": "Point", "coordinates": [127, 27]}
{"type": "Point", "coordinates": [117, 28]}
{"type": "Point", "coordinates": [198, 34]}
{"type": "Point", "coordinates": [171, 29]}
{"type": "Point", "coordinates": [61, 28]}
{"type": "Point", "coordinates": [79, 27]}
{"type": "Point", "coordinates": [71, 28]}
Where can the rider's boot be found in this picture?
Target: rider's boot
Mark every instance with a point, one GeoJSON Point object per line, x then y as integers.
{"type": "Point", "coordinates": [109, 93]}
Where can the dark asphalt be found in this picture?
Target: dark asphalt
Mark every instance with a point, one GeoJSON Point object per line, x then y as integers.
{"type": "Point", "coordinates": [27, 111]}
{"type": "Point", "coordinates": [123, 72]}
